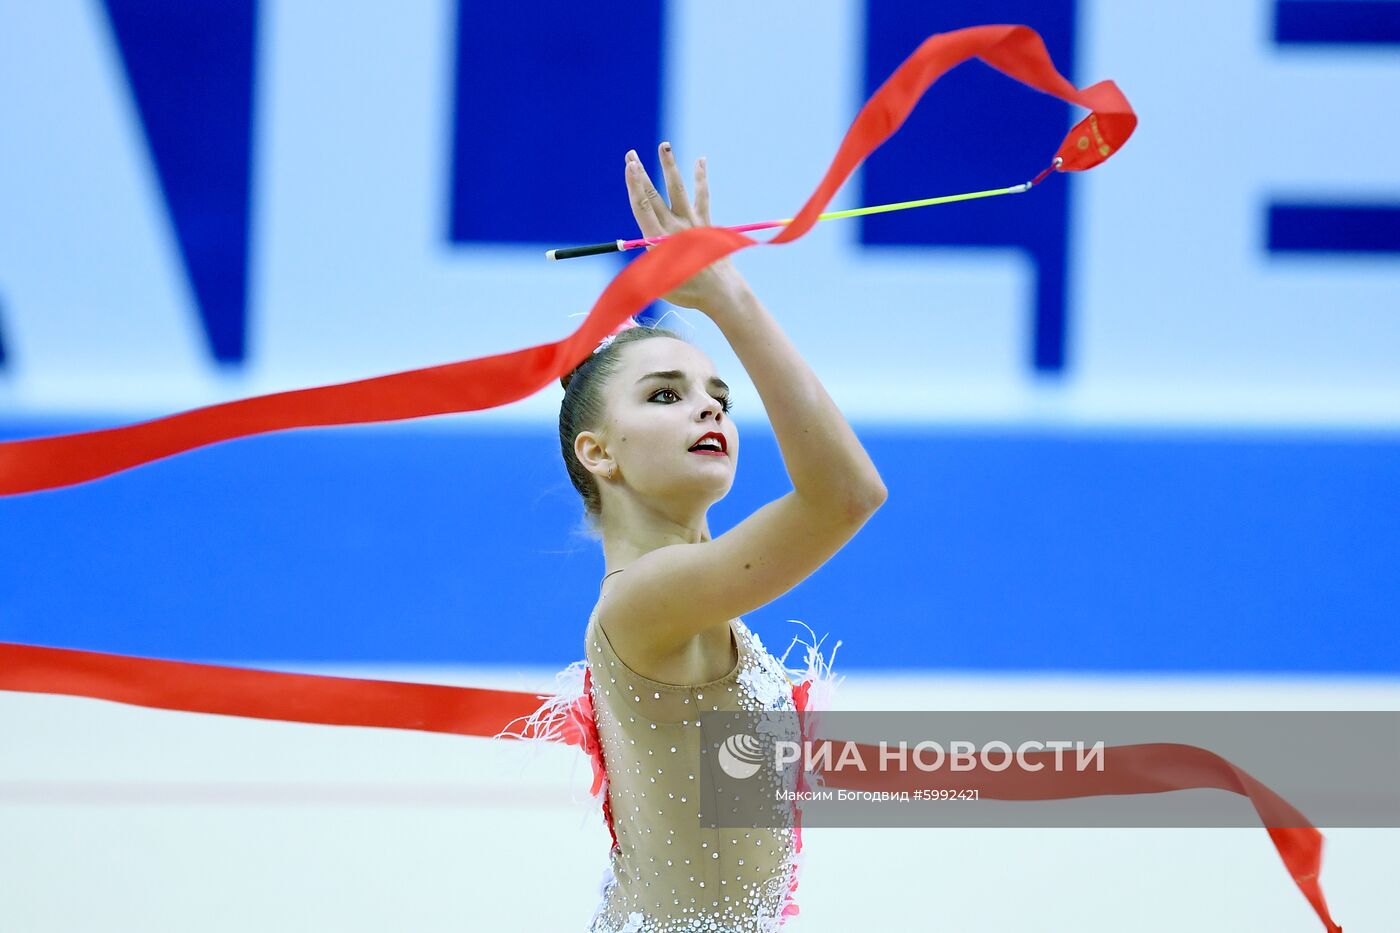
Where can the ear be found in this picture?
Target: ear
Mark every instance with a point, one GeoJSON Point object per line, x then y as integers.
{"type": "Point", "coordinates": [589, 449]}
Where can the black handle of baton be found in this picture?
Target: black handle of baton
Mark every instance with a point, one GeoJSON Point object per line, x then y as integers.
{"type": "Point", "coordinates": [597, 249]}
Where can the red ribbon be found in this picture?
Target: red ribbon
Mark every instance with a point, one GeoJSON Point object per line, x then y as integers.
{"type": "Point", "coordinates": [1128, 769]}
{"type": "Point", "coordinates": [491, 381]}
{"type": "Point", "coordinates": [488, 382]}
{"type": "Point", "coordinates": [343, 701]}
{"type": "Point", "coordinates": [254, 694]}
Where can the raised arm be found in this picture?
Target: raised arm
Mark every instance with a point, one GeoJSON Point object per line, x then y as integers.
{"type": "Point", "coordinates": [670, 594]}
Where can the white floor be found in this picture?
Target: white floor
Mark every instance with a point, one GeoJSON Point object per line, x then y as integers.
{"type": "Point", "coordinates": [115, 818]}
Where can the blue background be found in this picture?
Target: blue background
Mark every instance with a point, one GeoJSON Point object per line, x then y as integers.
{"type": "Point", "coordinates": [1006, 551]}
{"type": "Point", "coordinates": [1175, 447]}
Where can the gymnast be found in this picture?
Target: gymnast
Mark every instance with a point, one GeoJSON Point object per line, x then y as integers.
{"type": "Point", "coordinates": [648, 441]}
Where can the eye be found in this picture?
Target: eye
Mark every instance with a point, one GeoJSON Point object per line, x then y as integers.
{"type": "Point", "coordinates": [725, 404]}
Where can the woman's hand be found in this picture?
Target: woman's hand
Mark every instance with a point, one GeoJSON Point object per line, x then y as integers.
{"type": "Point", "coordinates": [712, 286]}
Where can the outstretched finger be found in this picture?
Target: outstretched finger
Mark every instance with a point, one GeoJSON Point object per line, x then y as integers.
{"type": "Point", "coordinates": [675, 187]}
{"type": "Point", "coordinates": [647, 206]}
{"type": "Point", "coordinates": [702, 192]}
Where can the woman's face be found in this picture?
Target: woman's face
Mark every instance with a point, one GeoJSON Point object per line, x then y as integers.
{"type": "Point", "coordinates": [653, 421]}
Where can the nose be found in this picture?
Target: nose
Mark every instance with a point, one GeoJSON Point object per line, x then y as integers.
{"type": "Point", "coordinates": [712, 408]}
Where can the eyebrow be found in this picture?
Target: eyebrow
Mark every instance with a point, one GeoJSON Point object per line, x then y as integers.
{"type": "Point", "coordinates": [715, 381]}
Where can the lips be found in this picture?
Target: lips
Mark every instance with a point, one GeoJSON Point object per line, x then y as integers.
{"type": "Point", "coordinates": [718, 439]}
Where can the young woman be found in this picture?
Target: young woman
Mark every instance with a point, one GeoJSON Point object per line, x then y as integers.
{"type": "Point", "coordinates": [647, 439]}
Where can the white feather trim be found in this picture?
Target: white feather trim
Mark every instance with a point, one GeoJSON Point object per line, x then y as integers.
{"type": "Point", "coordinates": [817, 668]}
{"type": "Point", "coordinates": [546, 724]}
{"type": "Point", "coordinates": [548, 721]}
{"type": "Point", "coordinates": [824, 680]}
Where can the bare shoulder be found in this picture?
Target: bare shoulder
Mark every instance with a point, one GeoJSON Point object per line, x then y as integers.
{"type": "Point", "coordinates": [707, 656]}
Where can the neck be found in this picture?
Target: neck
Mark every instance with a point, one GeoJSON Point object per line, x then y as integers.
{"type": "Point", "coordinates": [630, 531]}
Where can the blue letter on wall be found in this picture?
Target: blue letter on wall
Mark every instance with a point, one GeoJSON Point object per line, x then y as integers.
{"type": "Point", "coordinates": [977, 129]}
{"type": "Point", "coordinates": [190, 66]}
{"type": "Point", "coordinates": [549, 97]}
{"type": "Point", "coordinates": [1321, 226]}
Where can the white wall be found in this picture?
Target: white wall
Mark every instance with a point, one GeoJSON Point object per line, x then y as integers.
{"type": "Point", "coordinates": [1180, 313]}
